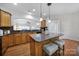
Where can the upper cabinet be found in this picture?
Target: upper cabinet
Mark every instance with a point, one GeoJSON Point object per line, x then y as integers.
{"type": "Point", "coordinates": [5, 19]}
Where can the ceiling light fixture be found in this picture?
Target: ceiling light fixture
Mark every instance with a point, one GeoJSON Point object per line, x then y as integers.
{"type": "Point", "coordinates": [49, 21]}
{"type": "Point", "coordinates": [29, 17]}
{"type": "Point", "coordinates": [34, 10]}
{"type": "Point", "coordinates": [41, 19]}
{"type": "Point", "coordinates": [41, 12]}
{"type": "Point", "coordinates": [49, 4]}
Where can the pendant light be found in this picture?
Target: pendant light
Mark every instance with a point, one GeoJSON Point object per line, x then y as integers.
{"type": "Point", "coordinates": [49, 4]}
{"type": "Point", "coordinates": [41, 12]}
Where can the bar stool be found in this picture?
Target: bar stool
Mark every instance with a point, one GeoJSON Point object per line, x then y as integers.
{"type": "Point", "coordinates": [50, 49]}
{"type": "Point", "coordinates": [60, 44]}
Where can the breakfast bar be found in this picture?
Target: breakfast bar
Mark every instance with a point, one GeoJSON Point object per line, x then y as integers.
{"type": "Point", "coordinates": [39, 40]}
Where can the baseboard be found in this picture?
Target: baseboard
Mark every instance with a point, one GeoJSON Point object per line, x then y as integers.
{"type": "Point", "coordinates": [71, 37]}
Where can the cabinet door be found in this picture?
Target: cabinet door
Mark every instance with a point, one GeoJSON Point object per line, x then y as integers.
{"type": "Point", "coordinates": [38, 49]}
{"type": "Point", "coordinates": [24, 38]}
{"type": "Point", "coordinates": [28, 38]}
{"type": "Point", "coordinates": [17, 39]}
{"type": "Point", "coordinates": [32, 47]}
{"type": "Point", "coordinates": [8, 20]}
{"type": "Point", "coordinates": [11, 40]}
{"type": "Point", "coordinates": [5, 19]}
{"type": "Point", "coordinates": [5, 43]}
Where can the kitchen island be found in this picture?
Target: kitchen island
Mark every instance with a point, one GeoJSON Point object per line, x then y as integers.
{"type": "Point", "coordinates": [33, 41]}
{"type": "Point", "coordinates": [38, 40]}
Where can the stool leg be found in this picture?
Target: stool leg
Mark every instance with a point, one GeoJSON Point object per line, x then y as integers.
{"type": "Point", "coordinates": [58, 52]}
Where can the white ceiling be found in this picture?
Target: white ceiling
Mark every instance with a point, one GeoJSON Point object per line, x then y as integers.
{"type": "Point", "coordinates": [21, 9]}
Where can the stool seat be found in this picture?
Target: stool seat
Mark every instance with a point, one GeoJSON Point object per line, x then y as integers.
{"type": "Point", "coordinates": [60, 43]}
{"type": "Point", "coordinates": [50, 48]}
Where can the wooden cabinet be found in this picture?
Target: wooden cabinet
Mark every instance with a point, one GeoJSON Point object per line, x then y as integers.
{"type": "Point", "coordinates": [24, 38]}
{"type": "Point", "coordinates": [38, 49]}
{"type": "Point", "coordinates": [5, 19]}
{"type": "Point", "coordinates": [11, 40]}
{"type": "Point", "coordinates": [32, 47]}
{"type": "Point", "coordinates": [28, 38]}
{"type": "Point", "coordinates": [17, 38]}
{"type": "Point", "coordinates": [5, 43]}
{"type": "Point", "coordinates": [0, 45]}
{"type": "Point", "coordinates": [21, 38]}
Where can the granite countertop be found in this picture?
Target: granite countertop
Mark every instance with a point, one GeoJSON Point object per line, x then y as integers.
{"type": "Point", "coordinates": [43, 37]}
{"type": "Point", "coordinates": [26, 30]}
{"type": "Point", "coordinates": [21, 31]}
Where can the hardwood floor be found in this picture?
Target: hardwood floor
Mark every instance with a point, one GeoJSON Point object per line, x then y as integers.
{"type": "Point", "coordinates": [71, 49]}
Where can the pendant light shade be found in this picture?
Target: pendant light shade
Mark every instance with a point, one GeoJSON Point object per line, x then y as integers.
{"type": "Point", "coordinates": [41, 19]}
{"type": "Point", "coordinates": [49, 4]}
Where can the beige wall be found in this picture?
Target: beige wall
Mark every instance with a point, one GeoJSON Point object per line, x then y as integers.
{"type": "Point", "coordinates": [70, 25]}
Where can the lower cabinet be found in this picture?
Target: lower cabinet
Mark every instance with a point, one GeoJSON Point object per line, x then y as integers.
{"type": "Point", "coordinates": [17, 38]}
{"type": "Point", "coordinates": [38, 49]}
{"type": "Point", "coordinates": [5, 42]}
{"type": "Point", "coordinates": [24, 38]}
{"type": "Point", "coordinates": [11, 40]}
{"type": "Point", "coordinates": [20, 38]}
{"type": "Point", "coordinates": [28, 38]}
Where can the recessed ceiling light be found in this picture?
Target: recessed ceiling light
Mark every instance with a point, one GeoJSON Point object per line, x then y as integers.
{"type": "Point", "coordinates": [15, 3]}
{"type": "Point", "coordinates": [34, 10]}
{"type": "Point", "coordinates": [29, 17]}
